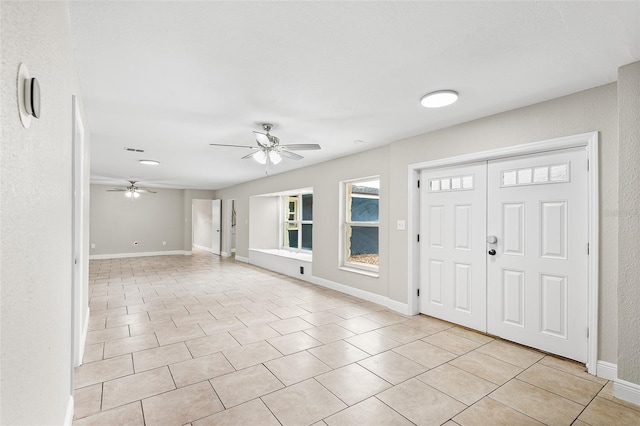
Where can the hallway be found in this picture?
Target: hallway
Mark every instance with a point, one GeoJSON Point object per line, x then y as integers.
{"type": "Point", "coordinates": [201, 340]}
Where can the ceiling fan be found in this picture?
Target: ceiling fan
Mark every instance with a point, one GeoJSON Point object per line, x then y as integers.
{"type": "Point", "coordinates": [269, 149]}
{"type": "Point", "coordinates": [132, 191]}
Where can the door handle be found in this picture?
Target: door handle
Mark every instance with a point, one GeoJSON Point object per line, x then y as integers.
{"type": "Point", "coordinates": [492, 252]}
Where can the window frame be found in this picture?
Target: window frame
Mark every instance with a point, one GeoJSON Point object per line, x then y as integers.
{"type": "Point", "coordinates": [296, 224]}
{"type": "Point", "coordinates": [345, 223]}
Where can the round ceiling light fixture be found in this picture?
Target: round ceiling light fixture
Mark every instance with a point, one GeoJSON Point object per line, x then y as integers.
{"type": "Point", "coordinates": [150, 162]}
{"type": "Point", "coordinates": [438, 99]}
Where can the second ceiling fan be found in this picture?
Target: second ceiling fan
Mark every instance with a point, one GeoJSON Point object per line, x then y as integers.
{"type": "Point", "coordinates": [269, 150]}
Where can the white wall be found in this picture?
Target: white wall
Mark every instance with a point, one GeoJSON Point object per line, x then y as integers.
{"type": "Point", "coordinates": [594, 109]}
{"type": "Point", "coordinates": [263, 228]}
{"type": "Point", "coordinates": [35, 216]}
{"type": "Point", "coordinates": [202, 217]}
{"type": "Point", "coordinates": [116, 222]}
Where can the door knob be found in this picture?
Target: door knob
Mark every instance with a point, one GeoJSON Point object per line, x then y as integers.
{"type": "Point", "coordinates": [492, 252]}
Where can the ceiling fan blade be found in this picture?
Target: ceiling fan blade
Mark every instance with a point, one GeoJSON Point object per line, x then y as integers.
{"type": "Point", "coordinates": [301, 147]}
{"type": "Point", "coordinates": [290, 155]}
{"type": "Point", "coordinates": [248, 156]}
{"type": "Point", "coordinates": [146, 190]}
{"type": "Point", "coordinates": [262, 139]}
{"type": "Point", "coordinates": [117, 190]}
{"type": "Point", "coordinates": [234, 146]}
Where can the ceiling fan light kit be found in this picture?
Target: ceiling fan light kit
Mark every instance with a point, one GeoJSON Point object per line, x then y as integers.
{"type": "Point", "coordinates": [439, 99]}
{"type": "Point", "coordinates": [150, 162]}
{"type": "Point", "coordinates": [132, 191]}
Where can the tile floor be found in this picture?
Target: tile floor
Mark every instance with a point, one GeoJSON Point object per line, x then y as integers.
{"type": "Point", "coordinates": [200, 340]}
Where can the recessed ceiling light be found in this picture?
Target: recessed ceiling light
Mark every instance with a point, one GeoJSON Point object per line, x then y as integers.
{"type": "Point", "coordinates": [150, 162]}
{"type": "Point", "coordinates": [439, 99]}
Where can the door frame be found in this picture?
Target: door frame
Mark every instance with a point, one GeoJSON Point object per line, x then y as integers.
{"type": "Point", "coordinates": [587, 140]}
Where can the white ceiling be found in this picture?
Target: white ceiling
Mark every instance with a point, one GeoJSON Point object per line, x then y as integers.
{"type": "Point", "coordinates": [171, 77]}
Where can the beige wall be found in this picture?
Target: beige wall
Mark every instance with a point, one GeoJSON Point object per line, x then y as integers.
{"type": "Point", "coordinates": [591, 110]}
{"type": "Point", "coordinates": [116, 222]}
{"type": "Point", "coordinates": [264, 212]}
{"type": "Point", "coordinates": [35, 212]}
{"type": "Point", "coordinates": [629, 223]}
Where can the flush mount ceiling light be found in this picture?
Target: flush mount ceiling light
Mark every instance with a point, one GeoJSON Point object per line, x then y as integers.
{"type": "Point", "coordinates": [150, 162]}
{"type": "Point", "coordinates": [439, 99]}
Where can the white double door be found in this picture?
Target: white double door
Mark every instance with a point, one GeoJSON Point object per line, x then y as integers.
{"type": "Point", "coordinates": [503, 249]}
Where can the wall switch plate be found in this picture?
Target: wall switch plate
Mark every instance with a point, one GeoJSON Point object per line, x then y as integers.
{"type": "Point", "coordinates": [401, 225]}
{"type": "Point", "coordinates": [135, 243]}
{"type": "Point", "coordinates": [93, 246]}
{"type": "Point", "coordinates": [164, 243]}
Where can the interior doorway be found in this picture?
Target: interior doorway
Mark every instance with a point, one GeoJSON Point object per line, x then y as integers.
{"type": "Point", "coordinates": [206, 225]}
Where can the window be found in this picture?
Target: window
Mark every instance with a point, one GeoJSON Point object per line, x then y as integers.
{"type": "Point", "coordinates": [297, 229]}
{"type": "Point", "coordinates": [361, 224]}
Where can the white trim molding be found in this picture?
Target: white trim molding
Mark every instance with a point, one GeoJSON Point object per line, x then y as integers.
{"type": "Point", "coordinates": [607, 370]}
{"type": "Point", "coordinates": [141, 254]}
{"type": "Point", "coordinates": [627, 391]}
{"type": "Point", "coordinates": [587, 140]}
{"type": "Point", "coordinates": [242, 259]}
{"type": "Point", "coordinates": [203, 248]}
{"type": "Point", "coordinates": [68, 416]}
{"type": "Point", "coordinates": [83, 337]}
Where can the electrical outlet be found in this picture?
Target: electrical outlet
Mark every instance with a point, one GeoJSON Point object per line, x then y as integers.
{"type": "Point", "coordinates": [93, 246]}
{"type": "Point", "coordinates": [164, 243]}
{"type": "Point", "coordinates": [135, 243]}
{"type": "Point", "coordinates": [401, 225]}
{"type": "Point", "coordinates": [302, 270]}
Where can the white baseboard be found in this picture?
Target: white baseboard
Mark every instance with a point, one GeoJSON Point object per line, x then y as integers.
{"type": "Point", "coordinates": [68, 417]}
{"type": "Point", "coordinates": [224, 254]}
{"type": "Point", "coordinates": [242, 259]}
{"type": "Point", "coordinates": [141, 254]}
{"type": "Point", "coordinates": [203, 248]}
{"type": "Point", "coordinates": [83, 336]}
{"type": "Point", "coordinates": [607, 370]}
{"type": "Point", "coordinates": [626, 390]}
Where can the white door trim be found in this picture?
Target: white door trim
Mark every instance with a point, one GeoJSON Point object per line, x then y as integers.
{"type": "Point", "coordinates": [590, 142]}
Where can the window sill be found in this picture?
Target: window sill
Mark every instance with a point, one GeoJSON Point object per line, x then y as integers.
{"type": "Point", "coordinates": [368, 273]}
{"type": "Point", "coordinates": [286, 253]}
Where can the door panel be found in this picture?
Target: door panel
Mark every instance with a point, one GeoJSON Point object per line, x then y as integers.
{"type": "Point", "coordinates": [453, 214]}
{"type": "Point", "coordinates": [537, 280]}
{"type": "Point", "coordinates": [216, 220]}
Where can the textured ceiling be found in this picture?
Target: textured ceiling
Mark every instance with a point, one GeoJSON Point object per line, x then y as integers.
{"type": "Point", "coordinates": [171, 77]}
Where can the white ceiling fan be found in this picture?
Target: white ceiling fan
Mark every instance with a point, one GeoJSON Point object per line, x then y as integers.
{"type": "Point", "coordinates": [269, 150]}
{"type": "Point", "coordinates": [132, 191]}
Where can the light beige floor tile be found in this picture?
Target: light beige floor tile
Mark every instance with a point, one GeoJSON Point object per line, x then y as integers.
{"type": "Point", "coordinates": [130, 415]}
{"type": "Point", "coordinates": [421, 403]}
{"type": "Point", "coordinates": [359, 325]}
{"type": "Point", "coordinates": [100, 336]}
{"type": "Point", "coordinates": [329, 333]}
{"type": "Point", "coordinates": [564, 384]}
{"type": "Point", "coordinates": [98, 323]}
{"type": "Point", "coordinates": [254, 334]}
{"type": "Point", "coordinates": [371, 412]}
{"type": "Point", "coordinates": [181, 406]}
{"type": "Point", "coordinates": [572, 367]}
{"type": "Point", "coordinates": [118, 320]}
{"type": "Point", "coordinates": [196, 370]}
{"type": "Point", "coordinates": [87, 401]}
{"type": "Point", "coordinates": [373, 343]}
{"type": "Point", "coordinates": [93, 352]}
{"type": "Point", "coordinates": [167, 314]}
{"type": "Point", "coordinates": [580, 423]}
{"type": "Point", "coordinates": [424, 353]}
{"type": "Point", "coordinates": [150, 327]}
{"type": "Point", "coordinates": [129, 344]}
{"type": "Point", "coordinates": [294, 342]}
{"type": "Point", "coordinates": [290, 325]}
{"type": "Point", "coordinates": [511, 353]}
{"type": "Point", "coordinates": [314, 307]}
{"type": "Point", "coordinates": [303, 403]}
{"type": "Point", "coordinates": [401, 333]}
{"type": "Point", "coordinates": [250, 413]}
{"type": "Point", "coordinates": [537, 403]}
{"type": "Point", "coordinates": [257, 318]}
{"type": "Point", "coordinates": [100, 371]}
{"type": "Point", "coordinates": [321, 318]}
{"type": "Point", "coordinates": [157, 357]}
{"type": "Point", "coordinates": [471, 335]}
{"type": "Point", "coordinates": [287, 301]}
{"type": "Point", "coordinates": [352, 383]}
{"type": "Point", "coordinates": [244, 385]}
{"type": "Point", "coordinates": [392, 367]}
{"type": "Point", "coordinates": [491, 412]}
{"type": "Point", "coordinates": [385, 318]}
{"type": "Point", "coordinates": [603, 412]}
{"type": "Point", "coordinates": [427, 325]}
{"type": "Point", "coordinates": [220, 312]}
{"type": "Point", "coordinates": [451, 342]}
{"type": "Point", "coordinates": [463, 386]}
{"type": "Point", "coordinates": [486, 367]}
{"type": "Point", "coordinates": [350, 311]}
{"type": "Point", "coordinates": [221, 325]}
{"type": "Point", "coordinates": [135, 387]}
{"type": "Point", "coordinates": [168, 336]}
{"type": "Point", "coordinates": [297, 367]}
{"type": "Point", "coordinates": [251, 354]}
{"type": "Point", "coordinates": [192, 318]}
{"type": "Point", "coordinates": [285, 312]}
{"type": "Point", "coordinates": [338, 354]}
{"type": "Point", "coordinates": [607, 393]}
{"type": "Point", "coordinates": [211, 344]}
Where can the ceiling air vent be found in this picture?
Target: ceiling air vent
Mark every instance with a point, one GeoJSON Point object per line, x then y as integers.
{"type": "Point", "coordinates": [133, 149]}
